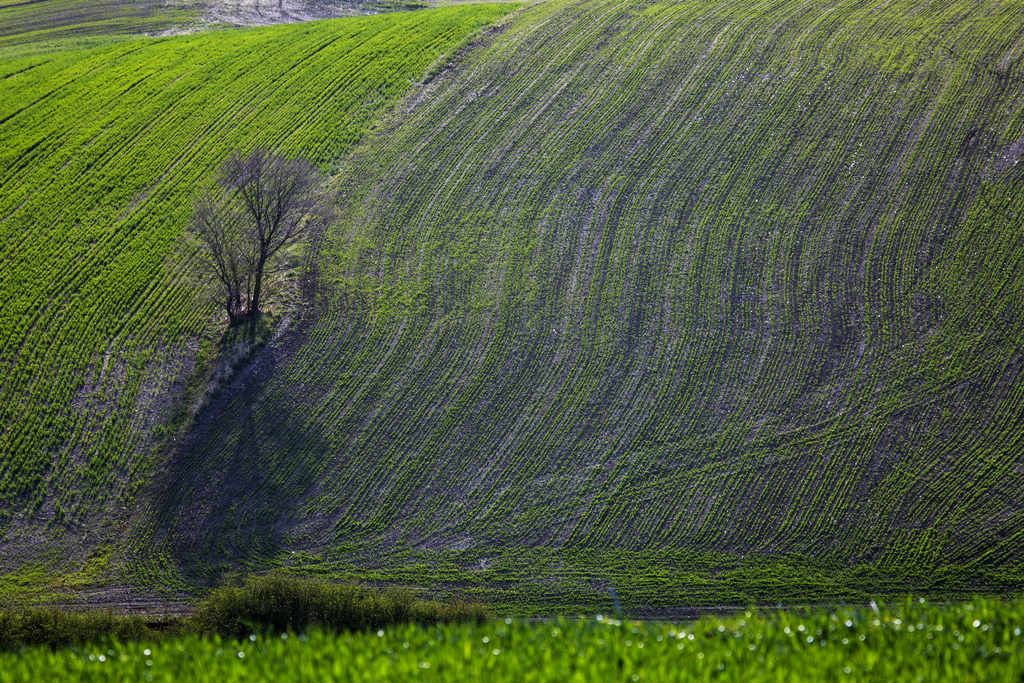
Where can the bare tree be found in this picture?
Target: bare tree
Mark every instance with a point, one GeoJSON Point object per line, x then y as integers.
{"type": "Point", "coordinates": [264, 202]}
{"type": "Point", "coordinates": [227, 252]}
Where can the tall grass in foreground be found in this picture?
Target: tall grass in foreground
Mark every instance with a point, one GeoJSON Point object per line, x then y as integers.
{"type": "Point", "coordinates": [264, 604]}
{"type": "Point", "coordinates": [57, 628]}
{"type": "Point", "coordinates": [281, 604]}
{"type": "Point", "coordinates": [976, 641]}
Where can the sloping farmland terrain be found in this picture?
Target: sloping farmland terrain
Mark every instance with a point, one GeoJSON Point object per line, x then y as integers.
{"type": "Point", "coordinates": [101, 154]}
{"type": "Point", "coordinates": [702, 301]}
{"type": "Point", "coordinates": [39, 24]}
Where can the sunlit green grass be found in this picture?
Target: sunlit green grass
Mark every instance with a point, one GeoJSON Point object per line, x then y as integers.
{"type": "Point", "coordinates": [980, 640]}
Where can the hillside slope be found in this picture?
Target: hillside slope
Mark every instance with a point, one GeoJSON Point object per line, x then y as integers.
{"type": "Point", "coordinates": [646, 292]}
{"type": "Point", "coordinates": [41, 26]}
{"type": "Point", "coordinates": [101, 154]}
{"type": "Point", "coordinates": [44, 25]}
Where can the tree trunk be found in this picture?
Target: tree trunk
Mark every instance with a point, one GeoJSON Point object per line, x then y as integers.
{"type": "Point", "coordinates": [254, 305]}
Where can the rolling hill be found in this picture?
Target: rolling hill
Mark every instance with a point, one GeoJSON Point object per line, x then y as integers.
{"type": "Point", "coordinates": [704, 301]}
{"type": "Point", "coordinates": [30, 27]}
{"type": "Point", "coordinates": [103, 152]}
{"type": "Point", "coordinates": [659, 288]}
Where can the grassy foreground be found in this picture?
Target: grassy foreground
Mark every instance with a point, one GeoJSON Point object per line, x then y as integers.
{"type": "Point", "coordinates": [979, 640]}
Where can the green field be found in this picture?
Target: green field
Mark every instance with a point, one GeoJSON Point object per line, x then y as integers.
{"type": "Point", "coordinates": [51, 25]}
{"type": "Point", "coordinates": [102, 153]}
{"type": "Point", "coordinates": [44, 26]}
{"type": "Point", "coordinates": [703, 301]}
{"type": "Point", "coordinates": [976, 641]}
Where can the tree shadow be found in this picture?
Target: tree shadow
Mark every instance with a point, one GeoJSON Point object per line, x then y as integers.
{"type": "Point", "coordinates": [228, 492]}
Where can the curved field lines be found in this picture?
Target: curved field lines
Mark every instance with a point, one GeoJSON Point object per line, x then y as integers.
{"type": "Point", "coordinates": [707, 276]}
{"type": "Point", "coordinates": [102, 152]}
